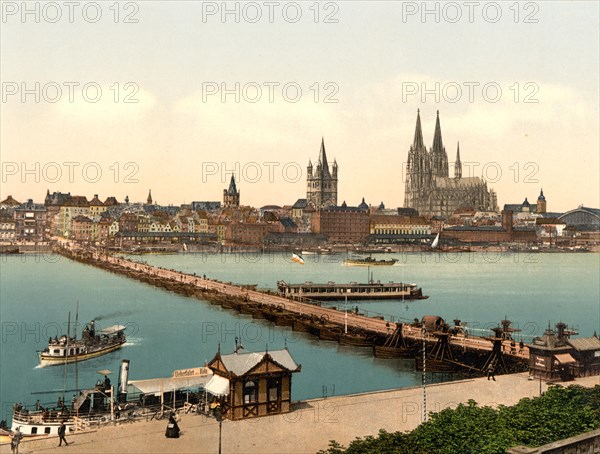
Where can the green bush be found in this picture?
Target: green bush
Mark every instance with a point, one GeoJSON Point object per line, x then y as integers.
{"type": "Point", "coordinates": [559, 413]}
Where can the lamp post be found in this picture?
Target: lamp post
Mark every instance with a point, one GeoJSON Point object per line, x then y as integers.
{"type": "Point", "coordinates": [220, 429]}
{"type": "Point", "coordinates": [424, 377]}
{"type": "Point", "coordinates": [219, 416]}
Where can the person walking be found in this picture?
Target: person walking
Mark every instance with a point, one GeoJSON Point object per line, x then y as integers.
{"type": "Point", "coordinates": [62, 429]}
{"type": "Point", "coordinates": [15, 441]}
{"type": "Point", "coordinates": [490, 372]}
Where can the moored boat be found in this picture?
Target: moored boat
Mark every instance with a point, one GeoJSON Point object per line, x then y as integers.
{"type": "Point", "coordinates": [374, 290]}
{"type": "Point", "coordinates": [92, 405]}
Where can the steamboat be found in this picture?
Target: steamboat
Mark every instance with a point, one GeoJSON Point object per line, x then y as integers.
{"type": "Point", "coordinates": [68, 349]}
{"type": "Point", "coordinates": [369, 261]}
{"type": "Point", "coordinates": [107, 404]}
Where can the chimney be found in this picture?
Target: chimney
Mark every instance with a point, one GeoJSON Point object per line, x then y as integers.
{"type": "Point", "coordinates": [123, 381]}
{"type": "Point", "coordinates": [560, 327]}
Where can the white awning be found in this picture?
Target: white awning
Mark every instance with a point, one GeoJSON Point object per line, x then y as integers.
{"type": "Point", "coordinates": [565, 358]}
{"type": "Point", "coordinates": [218, 386]}
{"type": "Point", "coordinates": [113, 329]}
{"type": "Point", "coordinates": [157, 385]}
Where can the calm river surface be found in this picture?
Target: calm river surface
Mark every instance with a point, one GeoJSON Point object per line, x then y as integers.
{"type": "Point", "coordinates": [167, 331]}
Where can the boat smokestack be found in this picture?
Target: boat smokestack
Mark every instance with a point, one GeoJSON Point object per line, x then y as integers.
{"type": "Point", "coordinates": [123, 380]}
{"type": "Point", "coordinates": [561, 330]}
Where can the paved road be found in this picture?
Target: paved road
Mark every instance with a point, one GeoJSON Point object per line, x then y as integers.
{"type": "Point", "coordinates": [307, 429]}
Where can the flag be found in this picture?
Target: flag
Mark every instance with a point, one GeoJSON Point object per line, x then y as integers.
{"type": "Point", "coordinates": [298, 259]}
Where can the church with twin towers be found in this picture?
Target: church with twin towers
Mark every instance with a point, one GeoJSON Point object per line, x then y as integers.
{"type": "Point", "coordinates": [430, 190]}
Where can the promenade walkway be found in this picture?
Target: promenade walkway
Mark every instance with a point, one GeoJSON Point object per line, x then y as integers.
{"type": "Point", "coordinates": [307, 429]}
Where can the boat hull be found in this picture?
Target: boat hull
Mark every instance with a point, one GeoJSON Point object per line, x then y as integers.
{"type": "Point", "coordinates": [434, 365]}
{"type": "Point", "coordinates": [381, 351]}
{"type": "Point", "coordinates": [380, 263]}
{"type": "Point", "coordinates": [355, 340]}
{"type": "Point", "coordinates": [49, 360]}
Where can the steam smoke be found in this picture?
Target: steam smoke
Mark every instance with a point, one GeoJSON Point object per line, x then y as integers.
{"type": "Point", "coordinates": [113, 315]}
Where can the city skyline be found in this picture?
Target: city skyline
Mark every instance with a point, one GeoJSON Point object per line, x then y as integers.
{"type": "Point", "coordinates": [541, 131]}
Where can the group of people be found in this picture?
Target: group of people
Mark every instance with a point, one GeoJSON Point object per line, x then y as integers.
{"type": "Point", "coordinates": [17, 436]}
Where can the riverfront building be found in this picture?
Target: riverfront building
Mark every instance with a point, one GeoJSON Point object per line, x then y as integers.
{"type": "Point", "coordinates": [430, 190]}
{"type": "Point", "coordinates": [555, 356]}
{"type": "Point", "coordinates": [30, 222]}
{"type": "Point", "coordinates": [506, 233]}
{"type": "Point", "coordinates": [343, 224]}
{"type": "Point", "coordinates": [253, 384]}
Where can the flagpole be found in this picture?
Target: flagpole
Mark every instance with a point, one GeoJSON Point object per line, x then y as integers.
{"type": "Point", "coordinates": [346, 315]}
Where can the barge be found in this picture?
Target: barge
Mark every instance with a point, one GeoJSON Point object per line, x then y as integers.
{"type": "Point", "coordinates": [374, 290]}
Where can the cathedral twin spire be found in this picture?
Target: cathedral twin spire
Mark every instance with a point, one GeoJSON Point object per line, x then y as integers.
{"type": "Point", "coordinates": [437, 153]}
{"type": "Point", "coordinates": [418, 140]}
{"type": "Point", "coordinates": [439, 158]}
{"type": "Point", "coordinates": [428, 186]}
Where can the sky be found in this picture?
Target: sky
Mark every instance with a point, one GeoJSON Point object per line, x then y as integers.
{"type": "Point", "coordinates": [117, 98]}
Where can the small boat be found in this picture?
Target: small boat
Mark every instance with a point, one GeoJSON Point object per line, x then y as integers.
{"type": "Point", "coordinates": [369, 261]}
{"type": "Point", "coordinates": [394, 346]}
{"type": "Point", "coordinates": [68, 349]}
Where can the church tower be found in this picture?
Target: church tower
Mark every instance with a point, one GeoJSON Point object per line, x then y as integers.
{"type": "Point", "coordinates": [457, 163]}
{"type": "Point", "coordinates": [149, 199]}
{"type": "Point", "coordinates": [437, 153]}
{"type": "Point", "coordinates": [541, 203]}
{"type": "Point", "coordinates": [231, 196]}
{"type": "Point", "coordinates": [418, 171]}
{"type": "Point", "coordinates": [321, 182]}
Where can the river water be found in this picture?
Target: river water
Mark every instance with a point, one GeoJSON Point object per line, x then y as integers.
{"type": "Point", "coordinates": [167, 331]}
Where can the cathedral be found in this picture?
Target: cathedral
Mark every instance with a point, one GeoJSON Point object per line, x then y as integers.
{"type": "Point", "coordinates": [430, 190]}
{"type": "Point", "coordinates": [321, 182]}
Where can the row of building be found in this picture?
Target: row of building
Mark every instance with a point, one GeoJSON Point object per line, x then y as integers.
{"type": "Point", "coordinates": [76, 218]}
{"type": "Point", "coordinates": [462, 209]}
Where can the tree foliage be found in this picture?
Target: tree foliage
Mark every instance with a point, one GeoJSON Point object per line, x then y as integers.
{"type": "Point", "coordinates": [559, 413]}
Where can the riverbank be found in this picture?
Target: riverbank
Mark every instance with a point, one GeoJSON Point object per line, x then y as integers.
{"type": "Point", "coordinates": [308, 428]}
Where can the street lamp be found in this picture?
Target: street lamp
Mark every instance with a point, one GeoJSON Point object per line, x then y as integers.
{"type": "Point", "coordinates": [219, 416]}
{"type": "Point", "coordinates": [424, 376]}
{"type": "Point", "coordinates": [220, 430]}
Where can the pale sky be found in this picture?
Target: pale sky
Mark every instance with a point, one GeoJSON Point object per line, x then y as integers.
{"type": "Point", "coordinates": [182, 141]}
